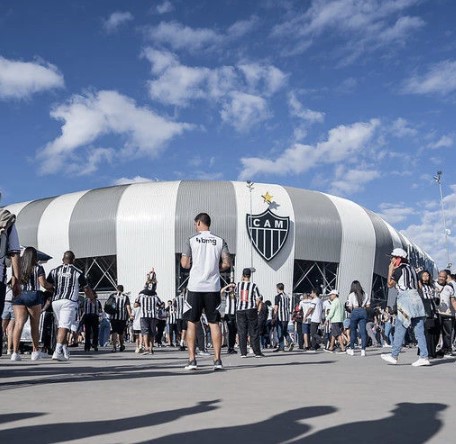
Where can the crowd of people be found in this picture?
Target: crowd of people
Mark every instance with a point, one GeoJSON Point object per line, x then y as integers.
{"type": "Point", "coordinates": [204, 316]}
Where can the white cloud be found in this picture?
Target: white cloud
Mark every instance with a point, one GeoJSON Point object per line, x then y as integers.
{"type": "Point", "coordinates": [395, 213]}
{"type": "Point", "coordinates": [88, 118]}
{"type": "Point", "coordinates": [446, 141]}
{"type": "Point", "coordinates": [349, 181]}
{"type": "Point", "coordinates": [401, 128]}
{"type": "Point", "coordinates": [428, 233]}
{"type": "Point", "coordinates": [179, 36]}
{"type": "Point", "coordinates": [116, 20]}
{"type": "Point", "coordinates": [343, 144]}
{"type": "Point", "coordinates": [165, 7]}
{"type": "Point", "coordinates": [19, 80]}
{"type": "Point", "coordinates": [440, 79]}
{"type": "Point", "coordinates": [359, 27]}
{"type": "Point", "coordinates": [243, 111]}
{"type": "Point", "coordinates": [305, 114]}
{"type": "Point", "coordinates": [129, 180]}
{"type": "Point", "coordinates": [239, 91]}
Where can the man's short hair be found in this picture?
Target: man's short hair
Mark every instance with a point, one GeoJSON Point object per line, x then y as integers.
{"type": "Point", "coordinates": [316, 291]}
{"type": "Point", "coordinates": [203, 218]}
{"type": "Point", "coordinates": [69, 257]}
{"type": "Point", "coordinates": [120, 288]}
{"type": "Point", "coordinates": [280, 287]}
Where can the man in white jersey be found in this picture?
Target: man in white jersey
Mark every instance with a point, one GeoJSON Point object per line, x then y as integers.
{"type": "Point", "coordinates": [206, 254]}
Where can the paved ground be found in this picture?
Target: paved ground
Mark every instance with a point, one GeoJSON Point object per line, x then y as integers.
{"type": "Point", "coordinates": [287, 397]}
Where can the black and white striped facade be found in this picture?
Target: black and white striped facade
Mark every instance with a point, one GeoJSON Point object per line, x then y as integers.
{"type": "Point", "coordinates": [145, 224]}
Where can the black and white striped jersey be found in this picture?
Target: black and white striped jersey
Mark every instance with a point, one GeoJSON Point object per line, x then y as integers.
{"type": "Point", "coordinates": [149, 304]}
{"type": "Point", "coordinates": [171, 314]}
{"type": "Point", "coordinates": [67, 280]}
{"type": "Point", "coordinates": [33, 283]}
{"type": "Point", "coordinates": [246, 294]}
{"type": "Point", "coordinates": [179, 306]}
{"type": "Point", "coordinates": [405, 277]}
{"type": "Point", "coordinates": [122, 301]}
{"type": "Point", "coordinates": [230, 303]}
{"type": "Point", "coordinates": [428, 291]}
{"type": "Point", "coordinates": [91, 307]}
{"type": "Point", "coordinates": [282, 301]}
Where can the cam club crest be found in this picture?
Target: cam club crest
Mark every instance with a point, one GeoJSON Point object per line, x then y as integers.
{"type": "Point", "coordinates": [268, 232]}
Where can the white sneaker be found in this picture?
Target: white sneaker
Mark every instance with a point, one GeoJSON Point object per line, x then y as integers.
{"type": "Point", "coordinates": [137, 350]}
{"type": "Point", "coordinates": [421, 362]}
{"type": "Point", "coordinates": [203, 353]}
{"type": "Point", "coordinates": [387, 345]}
{"type": "Point", "coordinates": [59, 356]}
{"type": "Point", "coordinates": [350, 352]}
{"type": "Point", "coordinates": [389, 358]}
{"type": "Point", "coordinates": [36, 356]}
{"type": "Point", "coordinates": [363, 352]}
{"type": "Point", "coordinates": [66, 353]}
{"type": "Point", "coordinates": [250, 351]}
{"type": "Point", "coordinates": [15, 357]}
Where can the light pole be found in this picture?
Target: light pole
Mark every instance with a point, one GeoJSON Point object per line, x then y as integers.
{"type": "Point", "coordinates": [438, 179]}
{"type": "Point", "coordinates": [250, 187]}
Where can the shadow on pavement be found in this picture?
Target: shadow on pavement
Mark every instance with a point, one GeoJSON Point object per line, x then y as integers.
{"type": "Point", "coordinates": [65, 431]}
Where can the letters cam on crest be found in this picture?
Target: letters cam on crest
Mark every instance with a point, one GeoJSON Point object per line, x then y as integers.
{"type": "Point", "coordinates": [268, 232]}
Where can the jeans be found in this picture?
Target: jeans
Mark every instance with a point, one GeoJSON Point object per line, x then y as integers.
{"type": "Point", "coordinates": [358, 319]}
{"type": "Point", "coordinates": [314, 336]}
{"type": "Point", "coordinates": [247, 324]}
{"type": "Point", "coordinates": [91, 328]}
{"type": "Point", "coordinates": [387, 333]}
{"type": "Point", "coordinates": [282, 333]}
{"type": "Point", "coordinates": [103, 332]}
{"type": "Point", "coordinates": [299, 334]}
{"type": "Point", "coordinates": [399, 333]}
{"type": "Point", "coordinates": [2, 304]}
{"type": "Point", "coordinates": [447, 326]}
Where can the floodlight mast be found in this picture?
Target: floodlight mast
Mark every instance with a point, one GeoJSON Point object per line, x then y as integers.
{"type": "Point", "coordinates": [438, 179]}
{"type": "Point", "coordinates": [250, 187]}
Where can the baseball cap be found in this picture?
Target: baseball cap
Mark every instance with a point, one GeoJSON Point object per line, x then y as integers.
{"type": "Point", "coordinates": [399, 252]}
{"type": "Point", "coordinates": [246, 272]}
{"type": "Point", "coordinates": [334, 292]}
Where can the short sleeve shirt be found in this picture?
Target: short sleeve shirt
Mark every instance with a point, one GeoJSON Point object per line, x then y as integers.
{"type": "Point", "coordinates": [317, 305]}
{"type": "Point", "coordinates": [12, 246]}
{"type": "Point", "coordinates": [205, 249]}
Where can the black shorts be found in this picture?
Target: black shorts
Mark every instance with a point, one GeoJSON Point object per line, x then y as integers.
{"type": "Point", "coordinates": [337, 329]}
{"type": "Point", "coordinates": [148, 326]}
{"type": "Point", "coordinates": [118, 326]}
{"type": "Point", "coordinates": [207, 301]}
{"type": "Point", "coordinates": [181, 325]}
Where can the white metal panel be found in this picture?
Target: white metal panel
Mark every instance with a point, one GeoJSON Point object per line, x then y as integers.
{"type": "Point", "coordinates": [17, 207]}
{"type": "Point", "coordinates": [281, 267]}
{"type": "Point", "coordinates": [397, 243]}
{"type": "Point", "coordinates": [146, 236]}
{"type": "Point", "coordinates": [53, 229]}
{"type": "Point", "coordinates": [357, 256]}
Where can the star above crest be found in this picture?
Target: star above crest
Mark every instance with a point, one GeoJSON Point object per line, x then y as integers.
{"type": "Point", "coordinates": [267, 198]}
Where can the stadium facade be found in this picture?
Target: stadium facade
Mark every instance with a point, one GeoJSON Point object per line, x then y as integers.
{"type": "Point", "coordinates": [299, 237]}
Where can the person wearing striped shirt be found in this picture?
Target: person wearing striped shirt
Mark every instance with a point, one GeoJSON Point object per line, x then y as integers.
{"type": "Point", "coordinates": [67, 281]}
{"type": "Point", "coordinates": [410, 307]}
{"type": "Point", "coordinates": [90, 316]}
{"type": "Point", "coordinates": [171, 320]}
{"type": "Point", "coordinates": [228, 292]}
{"type": "Point", "coordinates": [446, 287]}
{"type": "Point", "coordinates": [150, 305]}
{"type": "Point", "coordinates": [179, 303]}
{"type": "Point", "coordinates": [282, 317]}
{"type": "Point", "coordinates": [430, 301]}
{"type": "Point", "coordinates": [247, 314]}
{"type": "Point", "coordinates": [119, 318]}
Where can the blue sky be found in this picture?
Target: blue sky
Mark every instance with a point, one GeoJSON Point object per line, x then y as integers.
{"type": "Point", "coordinates": [353, 98]}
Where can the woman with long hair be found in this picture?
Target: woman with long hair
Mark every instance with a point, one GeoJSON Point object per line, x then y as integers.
{"type": "Point", "coordinates": [430, 301]}
{"type": "Point", "coordinates": [358, 301]}
{"type": "Point", "coordinates": [28, 303]}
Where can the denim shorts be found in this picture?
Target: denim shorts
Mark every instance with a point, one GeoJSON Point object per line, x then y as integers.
{"type": "Point", "coordinates": [8, 312]}
{"type": "Point", "coordinates": [28, 298]}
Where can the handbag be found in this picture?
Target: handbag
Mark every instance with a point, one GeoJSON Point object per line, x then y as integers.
{"type": "Point", "coordinates": [110, 306]}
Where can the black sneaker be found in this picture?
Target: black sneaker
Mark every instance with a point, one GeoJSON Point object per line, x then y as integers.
{"type": "Point", "coordinates": [122, 348]}
{"type": "Point", "coordinates": [260, 355]}
{"type": "Point", "coordinates": [290, 347]}
{"type": "Point", "coordinates": [218, 365]}
{"type": "Point", "coordinates": [192, 365]}
{"type": "Point", "coordinates": [232, 351]}
{"type": "Point", "coordinates": [182, 348]}
{"type": "Point", "coordinates": [277, 350]}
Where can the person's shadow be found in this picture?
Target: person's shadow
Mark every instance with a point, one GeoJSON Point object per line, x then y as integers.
{"type": "Point", "coordinates": [409, 423]}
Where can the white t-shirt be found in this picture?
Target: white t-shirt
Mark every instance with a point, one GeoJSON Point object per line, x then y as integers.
{"type": "Point", "coordinates": [304, 306]}
{"type": "Point", "coordinates": [326, 307]}
{"type": "Point", "coordinates": [205, 250]}
{"type": "Point", "coordinates": [318, 309]}
{"type": "Point", "coordinates": [353, 301]}
{"type": "Point", "coordinates": [137, 316]}
{"type": "Point", "coordinates": [447, 292]}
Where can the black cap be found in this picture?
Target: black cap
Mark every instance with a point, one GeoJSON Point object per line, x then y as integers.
{"type": "Point", "coordinates": [246, 272]}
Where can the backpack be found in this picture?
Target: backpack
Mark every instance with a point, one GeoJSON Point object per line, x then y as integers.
{"type": "Point", "coordinates": [110, 306]}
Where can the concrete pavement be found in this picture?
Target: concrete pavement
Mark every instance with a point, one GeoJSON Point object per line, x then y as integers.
{"type": "Point", "coordinates": [285, 397]}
